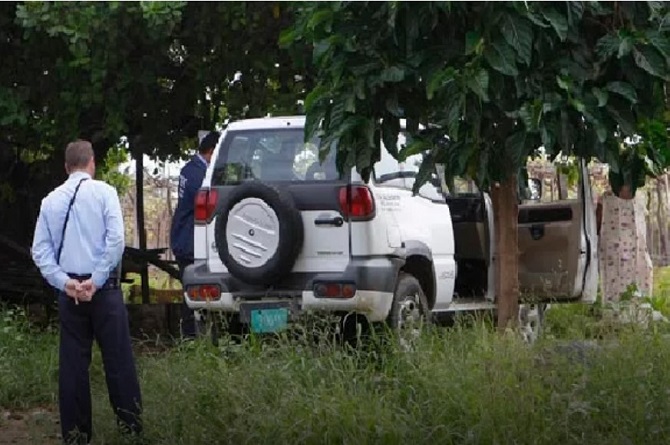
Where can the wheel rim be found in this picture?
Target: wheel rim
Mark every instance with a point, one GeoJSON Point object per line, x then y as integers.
{"type": "Point", "coordinates": [252, 232]}
{"type": "Point", "coordinates": [410, 320]}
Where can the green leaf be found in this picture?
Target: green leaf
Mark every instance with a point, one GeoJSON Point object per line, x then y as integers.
{"type": "Point", "coordinates": [501, 58]}
{"type": "Point", "coordinates": [557, 21]}
{"type": "Point", "coordinates": [454, 100]}
{"type": "Point", "coordinates": [390, 130]}
{"type": "Point", "coordinates": [392, 105]}
{"type": "Point", "coordinates": [566, 133]}
{"type": "Point", "coordinates": [438, 79]}
{"type": "Point", "coordinates": [531, 114]}
{"type": "Point", "coordinates": [519, 35]}
{"type": "Point", "coordinates": [575, 12]}
{"type": "Point", "coordinates": [393, 74]}
{"type": "Point", "coordinates": [472, 41]}
{"type": "Point", "coordinates": [647, 58]}
{"type": "Point", "coordinates": [515, 147]}
{"type": "Point", "coordinates": [564, 83]}
{"type": "Point", "coordinates": [660, 42]}
{"type": "Point", "coordinates": [359, 88]}
{"type": "Point", "coordinates": [366, 153]}
{"type": "Point", "coordinates": [479, 84]}
{"type": "Point", "coordinates": [623, 117]}
{"type": "Point", "coordinates": [418, 145]}
{"type": "Point", "coordinates": [625, 47]}
{"type": "Point", "coordinates": [426, 170]}
{"type": "Point", "coordinates": [552, 102]}
{"type": "Point", "coordinates": [319, 17]}
{"type": "Point", "coordinates": [607, 46]}
{"type": "Point", "coordinates": [537, 19]}
{"type": "Point", "coordinates": [287, 37]}
{"type": "Point", "coordinates": [601, 95]}
{"type": "Point", "coordinates": [320, 48]}
{"type": "Point", "coordinates": [601, 131]}
{"type": "Point", "coordinates": [350, 103]}
{"type": "Point", "coordinates": [577, 104]}
{"type": "Point", "coordinates": [623, 89]}
{"type": "Point", "coordinates": [548, 139]}
{"type": "Point", "coordinates": [337, 115]}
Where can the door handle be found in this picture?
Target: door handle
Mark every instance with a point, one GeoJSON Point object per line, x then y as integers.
{"type": "Point", "coordinates": [336, 221]}
{"type": "Point", "coordinates": [537, 232]}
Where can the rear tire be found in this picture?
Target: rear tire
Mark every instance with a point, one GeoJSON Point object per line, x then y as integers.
{"type": "Point", "coordinates": [410, 312]}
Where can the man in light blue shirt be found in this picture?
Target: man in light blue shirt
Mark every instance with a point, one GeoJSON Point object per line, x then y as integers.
{"type": "Point", "coordinates": [78, 245]}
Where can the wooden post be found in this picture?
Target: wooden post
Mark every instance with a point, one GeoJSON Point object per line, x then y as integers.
{"type": "Point", "coordinates": [139, 208]}
{"type": "Point", "coordinates": [506, 214]}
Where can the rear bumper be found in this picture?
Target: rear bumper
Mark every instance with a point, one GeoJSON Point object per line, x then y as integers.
{"type": "Point", "coordinates": [375, 280]}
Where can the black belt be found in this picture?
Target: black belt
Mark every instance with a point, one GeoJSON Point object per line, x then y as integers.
{"type": "Point", "coordinates": [111, 283]}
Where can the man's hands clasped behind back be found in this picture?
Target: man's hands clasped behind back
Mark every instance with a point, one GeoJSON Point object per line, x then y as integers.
{"type": "Point", "coordinates": [80, 290]}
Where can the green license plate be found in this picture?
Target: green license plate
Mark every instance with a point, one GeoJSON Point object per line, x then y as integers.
{"type": "Point", "coordinates": [269, 320]}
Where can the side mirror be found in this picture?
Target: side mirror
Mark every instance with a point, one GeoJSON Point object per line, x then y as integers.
{"type": "Point", "coordinates": [534, 191]}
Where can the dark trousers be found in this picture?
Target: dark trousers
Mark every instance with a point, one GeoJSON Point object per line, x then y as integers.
{"type": "Point", "coordinates": [188, 328]}
{"type": "Point", "coordinates": [104, 318]}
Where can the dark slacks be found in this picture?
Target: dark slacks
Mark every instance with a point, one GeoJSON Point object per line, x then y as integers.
{"type": "Point", "coordinates": [104, 318]}
{"type": "Point", "coordinates": [188, 325]}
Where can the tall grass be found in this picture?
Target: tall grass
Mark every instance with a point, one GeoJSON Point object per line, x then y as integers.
{"type": "Point", "coordinates": [465, 385]}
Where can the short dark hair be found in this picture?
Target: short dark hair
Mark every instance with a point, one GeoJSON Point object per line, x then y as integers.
{"type": "Point", "coordinates": [78, 154]}
{"type": "Point", "coordinates": [208, 142]}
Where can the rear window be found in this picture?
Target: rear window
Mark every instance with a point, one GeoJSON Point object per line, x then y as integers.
{"type": "Point", "coordinates": [271, 156]}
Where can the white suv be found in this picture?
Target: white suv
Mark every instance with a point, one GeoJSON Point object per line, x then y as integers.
{"type": "Point", "coordinates": [277, 232]}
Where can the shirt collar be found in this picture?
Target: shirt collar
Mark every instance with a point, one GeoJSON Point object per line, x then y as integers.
{"type": "Point", "coordinates": [79, 175]}
{"type": "Point", "coordinates": [204, 162]}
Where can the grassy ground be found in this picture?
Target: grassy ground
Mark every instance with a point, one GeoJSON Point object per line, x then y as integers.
{"type": "Point", "coordinates": [461, 385]}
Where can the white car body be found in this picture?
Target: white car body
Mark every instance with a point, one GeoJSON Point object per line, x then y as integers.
{"type": "Point", "coordinates": [408, 233]}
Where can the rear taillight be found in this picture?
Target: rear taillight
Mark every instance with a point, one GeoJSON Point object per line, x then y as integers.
{"type": "Point", "coordinates": [334, 290]}
{"type": "Point", "coordinates": [204, 292]}
{"type": "Point", "coordinates": [205, 203]}
{"type": "Point", "coordinates": [356, 202]}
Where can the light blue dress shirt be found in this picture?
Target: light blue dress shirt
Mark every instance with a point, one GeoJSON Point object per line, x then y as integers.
{"type": "Point", "coordinates": [94, 238]}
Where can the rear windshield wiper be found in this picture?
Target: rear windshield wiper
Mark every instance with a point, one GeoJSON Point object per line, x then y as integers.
{"type": "Point", "coordinates": [395, 175]}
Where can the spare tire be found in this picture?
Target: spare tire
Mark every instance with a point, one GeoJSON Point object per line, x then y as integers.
{"type": "Point", "coordinates": [258, 233]}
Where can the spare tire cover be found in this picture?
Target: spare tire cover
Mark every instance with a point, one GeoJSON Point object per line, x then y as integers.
{"type": "Point", "coordinates": [258, 233]}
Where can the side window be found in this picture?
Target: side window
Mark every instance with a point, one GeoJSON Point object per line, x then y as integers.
{"type": "Point", "coordinates": [388, 172]}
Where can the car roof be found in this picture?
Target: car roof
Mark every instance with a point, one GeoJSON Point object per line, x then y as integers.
{"type": "Point", "coordinates": [280, 122]}
{"type": "Point", "coordinates": [268, 123]}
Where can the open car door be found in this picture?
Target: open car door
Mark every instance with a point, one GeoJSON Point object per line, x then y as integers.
{"type": "Point", "coordinates": [558, 246]}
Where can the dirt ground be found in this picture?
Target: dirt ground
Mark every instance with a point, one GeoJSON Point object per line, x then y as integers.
{"type": "Point", "coordinates": [35, 426]}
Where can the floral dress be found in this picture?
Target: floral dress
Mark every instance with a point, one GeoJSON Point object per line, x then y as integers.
{"type": "Point", "coordinates": [622, 251]}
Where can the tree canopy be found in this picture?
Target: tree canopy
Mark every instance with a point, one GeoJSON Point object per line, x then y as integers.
{"type": "Point", "coordinates": [155, 72]}
{"type": "Point", "coordinates": [498, 79]}
{"type": "Point", "coordinates": [491, 83]}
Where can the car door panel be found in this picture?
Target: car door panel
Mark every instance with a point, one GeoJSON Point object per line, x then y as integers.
{"type": "Point", "coordinates": [550, 250]}
{"type": "Point", "coordinates": [591, 274]}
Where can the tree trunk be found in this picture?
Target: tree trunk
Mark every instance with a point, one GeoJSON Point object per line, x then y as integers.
{"type": "Point", "coordinates": [506, 214]}
{"type": "Point", "coordinates": [666, 205]}
{"type": "Point", "coordinates": [660, 213]}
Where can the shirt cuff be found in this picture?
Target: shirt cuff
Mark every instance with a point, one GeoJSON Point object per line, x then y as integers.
{"type": "Point", "coordinates": [60, 280]}
{"type": "Point", "coordinates": [99, 278]}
